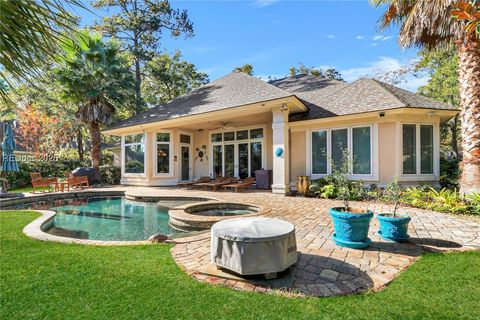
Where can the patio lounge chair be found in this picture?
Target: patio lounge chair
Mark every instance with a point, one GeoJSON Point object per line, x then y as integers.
{"type": "Point", "coordinates": [202, 184]}
{"type": "Point", "coordinates": [188, 184]}
{"type": "Point", "coordinates": [216, 185]}
{"type": "Point", "coordinates": [44, 183]}
{"type": "Point", "coordinates": [247, 182]}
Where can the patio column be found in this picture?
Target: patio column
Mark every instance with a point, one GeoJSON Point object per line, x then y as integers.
{"type": "Point", "coordinates": [280, 151]}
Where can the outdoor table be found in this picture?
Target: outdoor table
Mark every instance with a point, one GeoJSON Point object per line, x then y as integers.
{"type": "Point", "coordinates": [256, 245]}
{"type": "Point", "coordinates": [61, 186]}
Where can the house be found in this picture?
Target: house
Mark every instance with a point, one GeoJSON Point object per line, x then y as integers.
{"type": "Point", "coordinates": [297, 125]}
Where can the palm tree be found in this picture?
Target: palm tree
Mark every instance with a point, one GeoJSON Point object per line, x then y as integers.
{"type": "Point", "coordinates": [95, 76]}
{"type": "Point", "coordinates": [428, 23]}
{"type": "Point", "coordinates": [29, 31]}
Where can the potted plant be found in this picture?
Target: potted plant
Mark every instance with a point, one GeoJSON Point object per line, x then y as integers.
{"type": "Point", "coordinates": [350, 224]}
{"type": "Point", "coordinates": [393, 227]}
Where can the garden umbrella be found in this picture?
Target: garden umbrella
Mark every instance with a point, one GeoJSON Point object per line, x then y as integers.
{"type": "Point", "coordinates": [8, 147]}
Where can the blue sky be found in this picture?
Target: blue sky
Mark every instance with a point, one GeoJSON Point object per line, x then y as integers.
{"type": "Point", "coordinates": [273, 35]}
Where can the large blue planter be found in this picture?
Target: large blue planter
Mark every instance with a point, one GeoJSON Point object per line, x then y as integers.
{"type": "Point", "coordinates": [351, 229]}
{"type": "Point", "coordinates": [394, 229]}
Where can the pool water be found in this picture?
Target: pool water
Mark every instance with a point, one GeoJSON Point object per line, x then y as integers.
{"type": "Point", "coordinates": [107, 218]}
{"type": "Point", "coordinates": [223, 212]}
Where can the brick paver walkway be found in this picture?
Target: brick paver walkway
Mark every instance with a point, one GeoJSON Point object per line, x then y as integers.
{"type": "Point", "coordinates": [323, 268]}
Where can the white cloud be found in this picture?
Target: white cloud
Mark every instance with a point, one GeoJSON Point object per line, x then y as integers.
{"type": "Point", "coordinates": [331, 36]}
{"type": "Point", "coordinates": [204, 49]}
{"type": "Point", "coordinates": [359, 37]}
{"type": "Point", "coordinates": [385, 65]}
{"type": "Point", "coordinates": [381, 38]}
{"type": "Point", "coordinates": [263, 3]}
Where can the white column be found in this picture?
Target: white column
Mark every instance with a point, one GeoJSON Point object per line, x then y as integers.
{"type": "Point", "coordinates": [280, 145]}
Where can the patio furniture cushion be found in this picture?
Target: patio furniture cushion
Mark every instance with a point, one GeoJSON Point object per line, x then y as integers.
{"type": "Point", "coordinates": [256, 245]}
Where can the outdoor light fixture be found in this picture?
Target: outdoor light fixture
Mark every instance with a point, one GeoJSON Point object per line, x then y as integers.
{"type": "Point", "coordinates": [284, 107]}
{"type": "Point", "coordinates": [381, 114]}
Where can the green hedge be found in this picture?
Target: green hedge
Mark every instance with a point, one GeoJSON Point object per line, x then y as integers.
{"type": "Point", "coordinates": [46, 168]}
{"type": "Point", "coordinates": [110, 174]}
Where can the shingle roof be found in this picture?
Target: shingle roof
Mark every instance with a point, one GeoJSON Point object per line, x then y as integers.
{"type": "Point", "coordinates": [233, 90]}
{"type": "Point", "coordinates": [363, 95]}
{"type": "Point", "coordinates": [323, 97]}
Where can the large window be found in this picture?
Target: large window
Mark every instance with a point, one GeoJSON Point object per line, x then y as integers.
{"type": "Point", "coordinates": [361, 150]}
{"type": "Point", "coordinates": [417, 142]}
{"type": "Point", "coordinates": [319, 152]}
{"type": "Point", "coordinates": [163, 153]}
{"type": "Point", "coordinates": [329, 146]}
{"type": "Point", "coordinates": [237, 153]}
{"type": "Point", "coordinates": [134, 150]}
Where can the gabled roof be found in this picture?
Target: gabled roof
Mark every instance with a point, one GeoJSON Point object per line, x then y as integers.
{"type": "Point", "coordinates": [233, 90]}
{"type": "Point", "coordinates": [363, 95]}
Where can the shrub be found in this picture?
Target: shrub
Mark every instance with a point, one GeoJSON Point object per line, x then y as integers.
{"type": "Point", "coordinates": [449, 173]}
{"type": "Point", "coordinates": [110, 174]}
{"type": "Point", "coordinates": [445, 200]}
{"type": "Point", "coordinates": [45, 168]}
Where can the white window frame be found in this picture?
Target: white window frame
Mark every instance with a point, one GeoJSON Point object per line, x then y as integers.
{"type": "Point", "coordinates": [171, 152]}
{"type": "Point", "coordinates": [372, 176]}
{"type": "Point", "coordinates": [124, 160]}
{"type": "Point", "coordinates": [236, 143]}
{"type": "Point", "coordinates": [418, 176]}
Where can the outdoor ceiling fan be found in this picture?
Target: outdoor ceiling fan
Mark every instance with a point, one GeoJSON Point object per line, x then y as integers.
{"type": "Point", "coordinates": [225, 125]}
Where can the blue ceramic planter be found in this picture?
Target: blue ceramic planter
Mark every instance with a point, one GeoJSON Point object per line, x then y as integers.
{"type": "Point", "coordinates": [351, 229]}
{"type": "Point", "coordinates": [394, 229]}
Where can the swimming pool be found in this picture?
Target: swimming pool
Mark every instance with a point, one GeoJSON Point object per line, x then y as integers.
{"type": "Point", "coordinates": [106, 218]}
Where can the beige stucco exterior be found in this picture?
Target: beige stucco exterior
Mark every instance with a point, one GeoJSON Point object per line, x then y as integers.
{"type": "Point", "coordinates": [292, 137]}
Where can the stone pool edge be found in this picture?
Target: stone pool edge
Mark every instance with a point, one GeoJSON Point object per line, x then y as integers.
{"type": "Point", "coordinates": [35, 229]}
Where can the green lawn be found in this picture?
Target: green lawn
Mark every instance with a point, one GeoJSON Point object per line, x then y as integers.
{"type": "Point", "coordinates": [42, 280]}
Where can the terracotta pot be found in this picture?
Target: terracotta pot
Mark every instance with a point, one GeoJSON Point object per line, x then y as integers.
{"type": "Point", "coordinates": [303, 185]}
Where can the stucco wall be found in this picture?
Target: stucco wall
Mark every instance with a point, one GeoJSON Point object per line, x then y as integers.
{"type": "Point", "coordinates": [297, 155]}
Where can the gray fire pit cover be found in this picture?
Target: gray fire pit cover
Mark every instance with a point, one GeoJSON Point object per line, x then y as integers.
{"type": "Point", "coordinates": [255, 245]}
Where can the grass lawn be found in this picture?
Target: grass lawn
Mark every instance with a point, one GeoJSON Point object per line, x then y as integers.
{"type": "Point", "coordinates": [42, 280]}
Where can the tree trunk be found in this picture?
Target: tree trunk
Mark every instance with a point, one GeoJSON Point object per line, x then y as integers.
{"type": "Point", "coordinates": [469, 76]}
{"type": "Point", "coordinates": [80, 144]}
{"type": "Point", "coordinates": [95, 137]}
{"type": "Point", "coordinates": [455, 137]}
{"type": "Point", "coordinates": [138, 87]}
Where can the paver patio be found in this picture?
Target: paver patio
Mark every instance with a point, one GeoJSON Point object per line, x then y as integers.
{"type": "Point", "coordinates": [323, 268]}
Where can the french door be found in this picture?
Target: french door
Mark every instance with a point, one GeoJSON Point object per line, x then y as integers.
{"type": "Point", "coordinates": [239, 159]}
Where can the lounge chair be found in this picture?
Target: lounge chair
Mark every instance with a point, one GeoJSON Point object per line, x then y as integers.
{"type": "Point", "coordinates": [44, 183]}
{"type": "Point", "coordinates": [246, 183]}
{"type": "Point", "coordinates": [216, 185]}
{"type": "Point", "coordinates": [202, 184]}
{"type": "Point", "coordinates": [188, 184]}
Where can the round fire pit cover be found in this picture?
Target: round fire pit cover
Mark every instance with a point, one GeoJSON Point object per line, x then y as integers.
{"type": "Point", "coordinates": [256, 245]}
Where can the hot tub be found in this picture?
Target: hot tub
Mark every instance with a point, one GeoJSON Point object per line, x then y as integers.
{"type": "Point", "coordinates": [202, 216]}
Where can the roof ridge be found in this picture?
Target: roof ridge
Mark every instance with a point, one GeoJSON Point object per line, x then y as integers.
{"type": "Point", "coordinates": [382, 85]}
{"type": "Point", "coordinates": [387, 85]}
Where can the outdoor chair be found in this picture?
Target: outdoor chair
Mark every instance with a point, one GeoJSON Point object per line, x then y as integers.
{"type": "Point", "coordinates": [215, 185]}
{"type": "Point", "coordinates": [246, 183]}
{"type": "Point", "coordinates": [78, 182]}
{"type": "Point", "coordinates": [44, 183]}
{"type": "Point", "coordinates": [202, 184]}
{"type": "Point", "coordinates": [188, 184]}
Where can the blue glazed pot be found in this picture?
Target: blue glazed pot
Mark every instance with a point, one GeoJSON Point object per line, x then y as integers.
{"type": "Point", "coordinates": [351, 229]}
{"type": "Point", "coordinates": [394, 229]}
